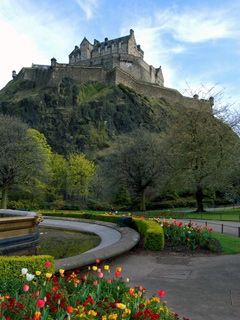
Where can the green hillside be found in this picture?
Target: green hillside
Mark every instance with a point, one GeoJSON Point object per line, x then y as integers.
{"type": "Point", "coordinates": [83, 118]}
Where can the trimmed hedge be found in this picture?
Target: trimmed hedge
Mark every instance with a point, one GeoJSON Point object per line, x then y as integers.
{"type": "Point", "coordinates": [90, 216]}
{"type": "Point", "coordinates": [152, 233]}
{"type": "Point", "coordinates": [11, 266]}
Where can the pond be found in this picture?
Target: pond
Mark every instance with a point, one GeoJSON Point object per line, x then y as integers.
{"type": "Point", "coordinates": [64, 243]}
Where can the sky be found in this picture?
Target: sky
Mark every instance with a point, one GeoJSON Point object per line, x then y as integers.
{"type": "Point", "coordinates": [197, 43]}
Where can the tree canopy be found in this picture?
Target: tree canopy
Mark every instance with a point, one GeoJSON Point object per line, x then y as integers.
{"type": "Point", "coordinates": [21, 158]}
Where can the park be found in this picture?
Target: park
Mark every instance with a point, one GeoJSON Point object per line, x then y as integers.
{"type": "Point", "coordinates": [119, 160]}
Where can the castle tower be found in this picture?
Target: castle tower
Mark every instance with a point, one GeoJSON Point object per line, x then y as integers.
{"type": "Point", "coordinates": [86, 49]}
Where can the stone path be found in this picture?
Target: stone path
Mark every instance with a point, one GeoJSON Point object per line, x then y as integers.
{"type": "Point", "coordinates": [201, 288]}
{"type": "Point", "coordinates": [198, 287]}
{"type": "Point", "coordinates": [229, 227]}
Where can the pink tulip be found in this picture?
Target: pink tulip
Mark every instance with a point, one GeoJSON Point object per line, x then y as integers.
{"type": "Point", "coordinates": [25, 287]}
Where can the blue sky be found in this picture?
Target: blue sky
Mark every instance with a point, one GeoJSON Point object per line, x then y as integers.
{"type": "Point", "coordinates": [196, 42]}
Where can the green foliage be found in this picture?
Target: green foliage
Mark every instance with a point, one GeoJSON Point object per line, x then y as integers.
{"type": "Point", "coordinates": [89, 91]}
{"type": "Point", "coordinates": [22, 160]}
{"type": "Point", "coordinates": [57, 179]}
{"type": "Point", "coordinates": [79, 118]}
{"type": "Point", "coordinates": [203, 151]}
{"type": "Point", "coordinates": [25, 204]}
{"type": "Point", "coordinates": [79, 174]}
{"type": "Point", "coordinates": [10, 269]}
{"type": "Point", "coordinates": [122, 197]}
{"type": "Point", "coordinates": [152, 233]}
{"type": "Point", "coordinates": [98, 217]}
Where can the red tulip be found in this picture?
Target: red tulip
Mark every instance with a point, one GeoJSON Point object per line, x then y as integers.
{"type": "Point", "coordinates": [117, 274]}
{"type": "Point", "coordinates": [69, 309]}
{"type": "Point", "coordinates": [47, 264]}
{"type": "Point", "coordinates": [161, 293]}
{"type": "Point", "coordinates": [40, 303]}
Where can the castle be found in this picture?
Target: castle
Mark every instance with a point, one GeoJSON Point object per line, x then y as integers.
{"type": "Point", "coordinates": [123, 53]}
{"type": "Point", "coordinates": [110, 62]}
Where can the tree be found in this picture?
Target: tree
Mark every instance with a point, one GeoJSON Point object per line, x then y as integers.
{"type": "Point", "coordinates": [203, 149]}
{"type": "Point", "coordinates": [21, 158]}
{"type": "Point", "coordinates": [58, 176]}
{"type": "Point", "coordinates": [140, 163]}
{"type": "Point", "coordinates": [79, 174]}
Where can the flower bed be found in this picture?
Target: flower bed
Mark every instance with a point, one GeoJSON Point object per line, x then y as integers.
{"type": "Point", "coordinates": [190, 236]}
{"type": "Point", "coordinates": [94, 295]}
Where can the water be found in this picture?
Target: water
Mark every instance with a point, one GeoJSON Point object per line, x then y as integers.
{"type": "Point", "coordinates": [64, 243]}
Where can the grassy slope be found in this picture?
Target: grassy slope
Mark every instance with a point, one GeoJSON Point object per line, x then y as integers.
{"type": "Point", "coordinates": [83, 118]}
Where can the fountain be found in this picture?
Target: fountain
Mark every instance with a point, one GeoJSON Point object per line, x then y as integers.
{"type": "Point", "coordinates": [19, 234]}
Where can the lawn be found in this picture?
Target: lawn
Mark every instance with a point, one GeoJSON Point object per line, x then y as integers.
{"type": "Point", "coordinates": [230, 244]}
{"type": "Point", "coordinates": [228, 214]}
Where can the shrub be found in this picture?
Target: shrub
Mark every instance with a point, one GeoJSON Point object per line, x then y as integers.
{"type": "Point", "coordinates": [23, 204]}
{"type": "Point", "coordinates": [152, 233]}
{"type": "Point", "coordinates": [107, 217]}
{"type": "Point", "coordinates": [10, 269]}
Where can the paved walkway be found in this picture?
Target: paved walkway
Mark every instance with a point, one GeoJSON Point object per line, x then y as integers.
{"type": "Point", "coordinates": [229, 227]}
{"type": "Point", "coordinates": [198, 287]}
{"type": "Point", "coordinates": [201, 288]}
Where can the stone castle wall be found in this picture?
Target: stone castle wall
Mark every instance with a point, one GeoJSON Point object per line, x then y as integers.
{"type": "Point", "coordinates": [52, 76]}
{"type": "Point", "coordinates": [172, 96]}
{"type": "Point", "coordinates": [77, 73]}
{"type": "Point", "coordinates": [40, 76]}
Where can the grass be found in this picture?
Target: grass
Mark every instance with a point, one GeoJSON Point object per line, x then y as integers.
{"type": "Point", "coordinates": [229, 244]}
{"type": "Point", "coordinates": [228, 214]}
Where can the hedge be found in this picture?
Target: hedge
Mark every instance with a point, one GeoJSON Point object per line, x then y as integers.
{"type": "Point", "coordinates": [90, 216]}
{"type": "Point", "coordinates": [152, 233]}
{"type": "Point", "coordinates": [11, 266]}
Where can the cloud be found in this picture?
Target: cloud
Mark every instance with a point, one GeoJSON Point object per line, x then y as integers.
{"type": "Point", "coordinates": [156, 50]}
{"type": "Point", "coordinates": [32, 33]}
{"type": "Point", "coordinates": [88, 6]}
{"type": "Point", "coordinates": [170, 32]}
{"type": "Point", "coordinates": [198, 26]}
